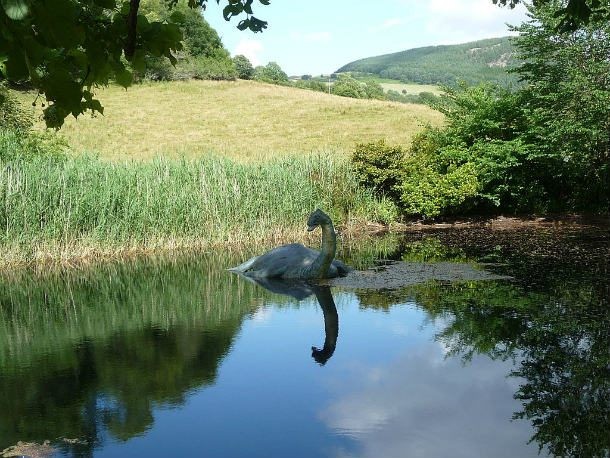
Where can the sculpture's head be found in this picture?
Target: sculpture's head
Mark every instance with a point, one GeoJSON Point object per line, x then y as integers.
{"type": "Point", "coordinates": [317, 218]}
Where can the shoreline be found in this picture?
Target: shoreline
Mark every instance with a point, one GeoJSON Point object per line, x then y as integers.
{"type": "Point", "coordinates": [55, 255]}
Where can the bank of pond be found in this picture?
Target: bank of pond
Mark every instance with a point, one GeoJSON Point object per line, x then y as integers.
{"type": "Point", "coordinates": [176, 355]}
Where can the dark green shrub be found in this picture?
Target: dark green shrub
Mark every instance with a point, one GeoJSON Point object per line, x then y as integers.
{"type": "Point", "coordinates": [15, 146]}
{"type": "Point", "coordinates": [271, 73]}
{"type": "Point", "coordinates": [379, 166]}
{"type": "Point", "coordinates": [347, 86]}
{"type": "Point", "coordinates": [207, 68]}
{"type": "Point", "coordinates": [243, 67]}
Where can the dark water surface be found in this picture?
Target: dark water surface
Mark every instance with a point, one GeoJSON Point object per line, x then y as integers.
{"type": "Point", "coordinates": [177, 357]}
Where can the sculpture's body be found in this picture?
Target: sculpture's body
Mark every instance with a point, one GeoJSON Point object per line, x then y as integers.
{"type": "Point", "coordinates": [298, 261]}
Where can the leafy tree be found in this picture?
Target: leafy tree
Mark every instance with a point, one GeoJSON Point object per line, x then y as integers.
{"type": "Point", "coordinates": [347, 86]}
{"type": "Point", "coordinates": [66, 48]}
{"type": "Point", "coordinates": [571, 14]}
{"type": "Point", "coordinates": [271, 73]}
{"type": "Point", "coordinates": [203, 56]}
{"type": "Point", "coordinates": [566, 103]}
{"type": "Point", "coordinates": [544, 147]}
{"type": "Point", "coordinates": [244, 68]}
{"type": "Point", "coordinates": [374, 90]}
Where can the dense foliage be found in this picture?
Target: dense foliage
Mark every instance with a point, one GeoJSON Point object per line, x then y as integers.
{"type": "Point", "coordinates": [270, 73]}
{"type": "Point", "coordinates": [203, 55]}
{"type": "Point", "coordinates": [542, 148]}
{"type": "Point", "coordinates": [243, 67]}
{"type": "Point", "coordinates": [571, 14]}
{"type": "Point", "coordinates": [66, 48]}
{"type": "Point", "coordinates": [484, 60]}
{"type": "Point", "coordinates": [12, 114]}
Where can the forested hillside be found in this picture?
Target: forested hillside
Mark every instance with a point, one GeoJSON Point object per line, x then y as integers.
{"type": "Point", "coordinates": [483, 60]}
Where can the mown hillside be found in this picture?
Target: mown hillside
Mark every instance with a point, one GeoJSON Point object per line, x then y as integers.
{"type": "Point", "coordinates": [243, 120]}
{"type": "Point", "coordinates": [483, 60]}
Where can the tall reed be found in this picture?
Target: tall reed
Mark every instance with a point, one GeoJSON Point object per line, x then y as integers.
{"type": "Point", "coordinates": [61, 202]}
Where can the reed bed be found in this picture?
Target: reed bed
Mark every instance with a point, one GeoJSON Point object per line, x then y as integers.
{"type": "Point", "coordinates": [55, 207]}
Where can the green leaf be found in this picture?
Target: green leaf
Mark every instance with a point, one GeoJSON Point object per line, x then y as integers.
{"type": "Point", "coordinates": [138, 61]}
{"type": "Point", "coordinates": [177, 17]}
{"type": "Point", "coordinates": [108, 4]}
{"type": "Point", "coordinates": [265, 2]}
{"type": "Point", "coordinates": [124, 78]}
{"type": "Point", "coordinates": [243, 24]}
{"type": "Point", "coordinates": [16, 9]}
{"type": "Point", "coordinates": [248, 6]}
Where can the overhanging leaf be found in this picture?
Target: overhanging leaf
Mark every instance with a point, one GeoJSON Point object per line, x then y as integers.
{"type": "Point", "coordinates": [16, 9]}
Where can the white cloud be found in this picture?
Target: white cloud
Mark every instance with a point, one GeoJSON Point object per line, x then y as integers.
{"type": "Point", "coordinates": [423, 405]}
{"type": "Point", "coordinates": [454, 21]}
{"type": "Point", "coordinates": [251, 49]}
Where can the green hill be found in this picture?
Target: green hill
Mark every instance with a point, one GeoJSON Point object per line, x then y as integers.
{"type": "Point", "coordinates": [483, 60]}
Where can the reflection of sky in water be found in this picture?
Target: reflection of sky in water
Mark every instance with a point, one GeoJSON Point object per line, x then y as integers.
{"type": "Point", "coordinates": [388, 391]}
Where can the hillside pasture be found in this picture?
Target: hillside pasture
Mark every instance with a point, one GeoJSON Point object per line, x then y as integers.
{"type": "Point", "coordinates": [244, 120]}
{"type": "Point", "coordinates": [412, 89]}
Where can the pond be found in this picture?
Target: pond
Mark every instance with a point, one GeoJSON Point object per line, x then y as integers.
{"type": "Point", "coordinates": [178, 357]}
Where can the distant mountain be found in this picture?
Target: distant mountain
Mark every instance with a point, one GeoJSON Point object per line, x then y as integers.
{"type": "Point", "coordinates": [474, 62]}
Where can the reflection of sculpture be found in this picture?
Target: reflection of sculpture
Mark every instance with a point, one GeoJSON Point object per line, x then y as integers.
{"type": "Point", "coordinates": [331, 325]}
{"type": "Point", "coordinates": [297, 261]}
{"type": "Point", "coordinates": [300, 290]}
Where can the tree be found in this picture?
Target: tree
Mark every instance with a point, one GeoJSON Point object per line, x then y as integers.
{"type": "Point", "coordinates": [567, 98]}
{"type": "Point", "coordinates": [571, 14]}
{"type": "Point", "coordinates": [67, 48]}
{"type": "Point", "coordinates": [244, 67]}
{"type": "Point", "coordinates": [347, 86]}
{"type": "Point", "coordinates": [270, 73]}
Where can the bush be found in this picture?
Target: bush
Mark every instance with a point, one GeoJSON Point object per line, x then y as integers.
{"type": "Point", "coordinates": [347, 86]}
{"type": "Point", "coordinates": [13, 115]}
{"type": "Point", "coordinates": [312, 85]}
{"type": "Point", "coordinates": [243, 67]}
{"type": "Point", "coordinates": [379, 166]}
{"type": "Point", "coordinates": [207, 68]}
{"type": "Point", "coordinates": [270, 73]}
{"type": "Point", "coordinates": [430, 192]}
{"type": "Point", "coordinates": [374, 90]}
{"type": "Point", "coordinates": [15, 146]}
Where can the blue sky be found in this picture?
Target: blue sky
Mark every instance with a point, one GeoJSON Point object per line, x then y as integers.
{"type": "Point", "coordinates": [317, 36]}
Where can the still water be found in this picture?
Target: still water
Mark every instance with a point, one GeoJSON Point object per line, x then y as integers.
{"type": "Point", "coordinates": [178, 357]}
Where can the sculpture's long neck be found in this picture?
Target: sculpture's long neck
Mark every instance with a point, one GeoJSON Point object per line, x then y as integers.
{"type": "Point", "coordinates": [320, 266]}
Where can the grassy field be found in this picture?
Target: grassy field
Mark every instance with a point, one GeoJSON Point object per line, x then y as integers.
{"type": "Point", "coordinates": [399, 86]}
{"type": "Point", "coordinates": [243, 120]}
{"type": "Point", "coordinates": [411, 88]}
{"type": "Point", "coordinates": [58, 207]}
{"type": "Point", "coordinates": [191, 165]}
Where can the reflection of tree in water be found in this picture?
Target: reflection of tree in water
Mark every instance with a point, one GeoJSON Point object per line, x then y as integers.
{"type": "Point", "coordinates": [119, 342]}
{"type": "Point", "coordinates": [110, 385]}
{"type": "Point", "coordinates": [553, 320]}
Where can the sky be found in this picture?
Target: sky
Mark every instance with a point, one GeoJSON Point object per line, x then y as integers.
{"type": "Point", "coordinates": [319, 36]}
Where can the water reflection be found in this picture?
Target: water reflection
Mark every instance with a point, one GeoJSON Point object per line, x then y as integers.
{"type": "Point", "coordinates": [94, 354]}
{"type": "Point", "coordinates": [114, 356]}
{"type": "Point", "coordinates": [300, 290]}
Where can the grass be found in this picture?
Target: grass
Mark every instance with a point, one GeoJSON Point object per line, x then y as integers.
{"type": "Point", "coordinates": [191, 165]}
{"type": "Point", "coordinates": [412, 88]}
{"type": "Point", "coordinates": [399, 86]}
{"type": "Point", "coordinates": [243, 120]}
{"type": "Point", "coordinates": [58, 207]}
